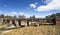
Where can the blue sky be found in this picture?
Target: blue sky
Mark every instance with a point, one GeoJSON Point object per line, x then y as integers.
{"type": "Point", "coordinates": [39, 8]}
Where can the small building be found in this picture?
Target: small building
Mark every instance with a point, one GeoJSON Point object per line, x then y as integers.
{"type": "Point", "coordinates": [57, 21]}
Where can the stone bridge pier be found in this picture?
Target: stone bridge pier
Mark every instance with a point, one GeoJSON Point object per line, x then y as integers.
{"type": "Point", "coordinates": [16, 23]}
{"type": "Point", "coordinates": [24, 22]}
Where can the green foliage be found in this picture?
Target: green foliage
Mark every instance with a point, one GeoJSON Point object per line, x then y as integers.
{"type": "Point", "coordinates": [32, 16]}
{"type": "Point", "coordinates": [8, 16]}
{"type": "Point", "coordinates": [33, 24]}
{"type": "Point", "coordinates": [2, 23]}
{"type": "Point", "coordinates": [2, 16]}
{"type": "Point", "coordinates": [53, 16]}
{"type": "Point", "coordinates": [3, 28]}
{"type": "Point", "coordinates": [21, 16]}
{"type": "Point", "coordinates": [14, 16]}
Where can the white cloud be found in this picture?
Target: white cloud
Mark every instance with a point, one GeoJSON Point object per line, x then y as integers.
{"type": "Point", "coordinates": [53, 5]}
{"type": "Point", "coordinates": [47, 1]}
{"type": "Point", "coordinates": [33, 5]}
{"type": "Point", "coordinates": [49, 14]}
{"type": "Point", "coordinates": [21, 13]}
{"type": "Point", "coordinates": [27, 15]}
{"type": "Point", "coordinates": [14, 13]}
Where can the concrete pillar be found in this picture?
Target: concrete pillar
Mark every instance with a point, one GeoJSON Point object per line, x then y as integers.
{"type": "Point", "coordinates": [4, 20]}
{"type": "Point", "coordinates": [1, 20]}
{"type": "Point", "coordinates": [44, 20]}
{"type": "Point", "coordinates": [19, 22]}
{"type": "Point", "coordinates": [38, 23]}
{"type": "Point", "coordinates": [24, 22]}
{"type": "Point", "coordinates": [7, 21]}
{"type": "Point", "coordinates": [11, 24]}
{"type": "Point", "coordinates": [27, 23]}
{"type": "Point", "coordinates": [41, 21]}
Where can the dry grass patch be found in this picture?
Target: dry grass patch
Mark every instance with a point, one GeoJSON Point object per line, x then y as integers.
{"type": "Point", "coordinates": [39, 30]}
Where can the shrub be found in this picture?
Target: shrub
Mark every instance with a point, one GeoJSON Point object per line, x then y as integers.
{"type": "Point", "coordinates": [3, 28]}
{"type": "Point", "coordinates": [33, 24]}
{"type": "Point", "coordinates": [2, 23]}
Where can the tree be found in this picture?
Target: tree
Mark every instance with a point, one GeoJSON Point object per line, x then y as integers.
{"type": "Point", "coordinates": [57, 14]}
{"type": "Point", "coordinates": [53, 16]}
{"type": "Point", "coordinates": [8, 16]}
{"type": "Point", "coordinates": [2, 16]}
{"type": "Point", "coordinates": [32, 16]}
{"type": "Point", "coordinates": [21, 16]}
{"type": "Point", "coordinates": [14, 16]}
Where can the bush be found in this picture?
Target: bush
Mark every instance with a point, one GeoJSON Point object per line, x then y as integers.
{"type": "Point", "coordinates": [2, 23]}
{"type": "Point", "coordinates": [3, 28]}
{"type": "Point", "coordinates": [33, 24]}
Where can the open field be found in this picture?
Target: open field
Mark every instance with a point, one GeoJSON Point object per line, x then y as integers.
{"type": "Point", "coordinates": [39, 30]}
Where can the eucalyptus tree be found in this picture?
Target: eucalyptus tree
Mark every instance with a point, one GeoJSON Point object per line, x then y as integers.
{"type": "Point", "coordinates": [21, 16]}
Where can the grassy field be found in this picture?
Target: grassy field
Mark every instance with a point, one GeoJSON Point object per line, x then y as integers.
{"type": "Point", "coordinates": [39, 30]}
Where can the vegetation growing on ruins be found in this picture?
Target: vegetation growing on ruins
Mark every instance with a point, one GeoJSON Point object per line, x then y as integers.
{"type": "Point", "coordinates": [2, 23]}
